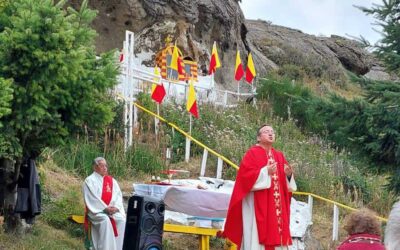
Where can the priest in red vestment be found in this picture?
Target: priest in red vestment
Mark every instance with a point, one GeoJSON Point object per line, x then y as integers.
{"type": "Point", "coordinates": [259, 210]}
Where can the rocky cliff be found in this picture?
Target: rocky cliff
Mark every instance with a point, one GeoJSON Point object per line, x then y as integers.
{"type": "Point", "coordinates": [195, 25]}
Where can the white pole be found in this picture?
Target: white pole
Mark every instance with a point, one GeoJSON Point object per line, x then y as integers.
{"type": "Point", "coordinates": [204, 163]}
{"type": "Point", "coordinates": [125, 94]}
{"type": "Point", "coordinates": [212, 95]}
{"type": "Point", "coordinates": [125, 123]}
{"type": "Point", "coordinates": [168, 91]}
{"type": "Point", "coordinates": [252, 92]}
{"type": "Point", "coordinates": [187, 150]}
{"type": "Point", "coordinates": [225, 99]}
{"type": "Point", "coordinates": [190, 124]}
{"type": "Point", "coordinates": [130, 41]}
{"type": "Point", "coordinates": [130, 134]}
{"type": "Point", "coordinates": [310, 206]}
{"type": "Point", "coordinates": [135, 119]}
{"type": "Point", "coordinates": [335, 230]}
{"type": "Point", "coordinates": [156, 121]}
{"type": "Point", "coordinates": [219, 168]}
{"type": "Point", "coordinates": [238, 90]}
{"type": "Point", "coordinates": [187, 146]}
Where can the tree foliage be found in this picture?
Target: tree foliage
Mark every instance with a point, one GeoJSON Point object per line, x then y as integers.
{"type": "Point", "coordinates": [58, 83]}
{"type": "Point", "coordinates": [369, 125]}
{"type": "Point", "coordinates": [6, 97]}
{"type": "Point", "coordinates": [388, 16]}
{"type": "Point", "coordinates": [5, 103]}
{"type": "Point", "coordinates": [381, 121]}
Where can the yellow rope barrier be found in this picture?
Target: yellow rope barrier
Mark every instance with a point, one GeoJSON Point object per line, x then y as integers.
{"type": "Point", "coordinates": [188, 136]}
{"type": "Point", "coordinates": [334, 202]}
{"type": "Point", "coordinates": [235, 166]}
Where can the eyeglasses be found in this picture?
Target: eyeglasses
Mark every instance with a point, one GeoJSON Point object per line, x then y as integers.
{"type": "Point", "coordinates": [102, 165]}
{"type": "Point", "coordinates": [267, 132]}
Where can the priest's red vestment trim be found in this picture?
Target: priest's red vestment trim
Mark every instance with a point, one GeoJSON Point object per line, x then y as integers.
{"type": "Point", "coordinates": [106, 196]}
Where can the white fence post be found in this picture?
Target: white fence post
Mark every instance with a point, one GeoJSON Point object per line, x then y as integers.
{"type": "Point", "coordinates": [187, 150]}
{"type": "Point", "coordinates": [225, 99]}
{"type": "Point", "coordinates": [128, 88]}
{"type": "Point", "coordinates": [219, 168]}
{"type": "Point", "coordinates": [135, 119]}
{"type": "Point", "coordinates": [310, 206]}
{"type": "Point", "coordinates": [156, 121]}
{"type": "Point", "coordinates": [335, 230]}
{"type": "Point", "coordinates": [204, 163]}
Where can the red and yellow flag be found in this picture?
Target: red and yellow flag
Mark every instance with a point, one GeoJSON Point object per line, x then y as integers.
{"type": "Point", "coordinates": [250, 70]}
{"type": "Point", "coordinates": [122, 55]}
{"type": "Point", "coordinates": [239, 72]}
{"type": "Point", "coordinates": [157, 90]}
{"type": "Point", "coordinates": [176, 61]}
{"type": "Point", "coordinates": [191, 104]}
{"type": "Point", "coordinates": [214, 62]}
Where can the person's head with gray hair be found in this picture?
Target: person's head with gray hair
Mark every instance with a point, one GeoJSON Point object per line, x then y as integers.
{"type": "Point", "coordinates": [392, 232]}
{"type": "Point", "coordinates": [100, 166]}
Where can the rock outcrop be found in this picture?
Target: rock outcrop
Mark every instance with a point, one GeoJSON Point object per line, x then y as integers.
{"type": "Point", "coordinates": [195, 25]}
{"type": "Point", "coordinates": [326, 57]}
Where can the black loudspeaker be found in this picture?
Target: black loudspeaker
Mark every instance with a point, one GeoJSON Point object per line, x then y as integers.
{"type": "Point", "coordinates": [144, 223]}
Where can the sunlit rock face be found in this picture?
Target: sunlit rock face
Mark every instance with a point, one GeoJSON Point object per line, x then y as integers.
{"type": "Point", "coordinates": [195, 25]}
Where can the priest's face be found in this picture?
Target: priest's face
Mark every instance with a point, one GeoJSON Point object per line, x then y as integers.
{"type": "Point", "coordinates": [101, 168]}
{"type": "Point", "coordinates": [266, 135]}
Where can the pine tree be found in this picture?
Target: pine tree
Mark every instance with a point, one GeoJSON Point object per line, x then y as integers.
{"type": "Point", "coordinates": [382, 121]}
{"type": "Point", "coordinates": [388, 16]}
{"type": "Point", "coordinates": [5, 97]}
{"type": "Point", "coordinates": [58, 84]}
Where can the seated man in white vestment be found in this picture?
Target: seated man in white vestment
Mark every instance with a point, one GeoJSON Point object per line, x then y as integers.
{"type": "Point", "coordinates": [105, 211]}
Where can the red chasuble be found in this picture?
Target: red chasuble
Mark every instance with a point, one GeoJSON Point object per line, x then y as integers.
{"type": "Point", "coordinates": [271, 205]}
{"type": "Point", "coordinates": [106, 196]}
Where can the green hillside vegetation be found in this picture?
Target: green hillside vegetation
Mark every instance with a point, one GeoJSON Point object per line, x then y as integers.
{"type": "Point", "coordinates": [320, 167]}
{"type": "Point", "coordinates": [369, 124]}
{"type": "Point", "coordinates": [54, 102]}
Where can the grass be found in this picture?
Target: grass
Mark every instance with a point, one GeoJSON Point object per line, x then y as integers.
{"type": "Point", "coordinates": [77, 157]}
{"type": "Point", "coordinates": [42, 237]}
{"type": "Point", "coordinates": [319, 168]}
{"type": "Point", "coordinates": [61, 197]}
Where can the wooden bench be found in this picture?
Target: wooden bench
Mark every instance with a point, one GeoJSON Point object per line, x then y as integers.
{"type": "Point", "coordinates": [203, 233]}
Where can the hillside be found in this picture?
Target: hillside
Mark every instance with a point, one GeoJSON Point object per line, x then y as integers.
{"type": "Point", "coordinates": [195, 26]}
{"type": "Point", "coordinates": [320, 169]}
{"type": "Point", "coordinates": [338, 129]}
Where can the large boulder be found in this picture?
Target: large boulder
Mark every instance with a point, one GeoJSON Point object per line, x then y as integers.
{"type": "Point", "coordinates": [326, 57]}
{"type": "Point", "coordinates": [195, 25]}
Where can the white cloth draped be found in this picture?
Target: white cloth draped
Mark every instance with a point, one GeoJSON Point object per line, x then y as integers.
{"type": "Point", "coordinates": [102, 232]}
{"type": "Point", "coordinates": [250, 234]}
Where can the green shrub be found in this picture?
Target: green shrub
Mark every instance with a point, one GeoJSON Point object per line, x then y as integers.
{"type": "Point", "coordinates": [143, 158]}
{"type": "Point", "coordinates": [77, 156]}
